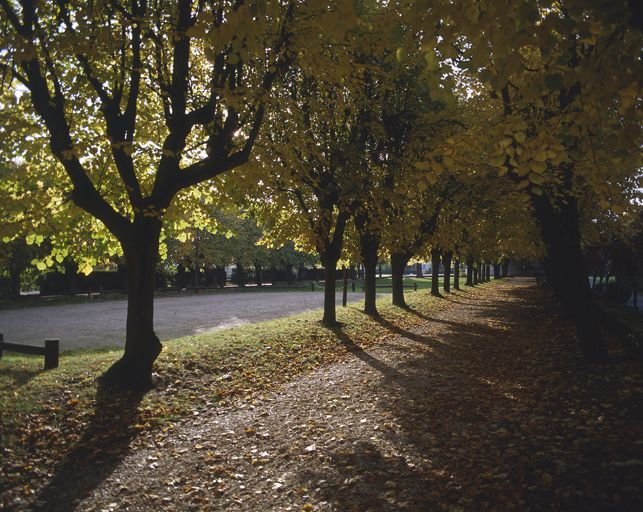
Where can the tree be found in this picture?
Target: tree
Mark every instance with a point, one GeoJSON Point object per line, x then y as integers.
{"type": "Point", "coordinates": [401, 106]}
{"type": "Point", "coordinates": [309, 194]}
{"type": "Point", "coordinates": [156, 100]}
{"type": "Point", "coordinates": [559, 142]}
{"type": "Point", "coordinates": [566, 77]}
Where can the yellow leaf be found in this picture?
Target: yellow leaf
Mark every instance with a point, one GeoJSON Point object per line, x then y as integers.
{"type": "Point", "coordinates": [423, 166]}
{"type": "Point", "coordinates": [520, 137]}
{"type": "Point", "coordinates": [536, 178]}
{"type": "Point", "coordinates": [540, 156]}
{"type": "Point", "coordinates": [498, 161]}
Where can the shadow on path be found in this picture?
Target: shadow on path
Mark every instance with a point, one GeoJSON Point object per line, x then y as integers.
{"type": "Point", "coordinates": [94, 457]}
{"type": "Point", "coordinates": [490, 420]}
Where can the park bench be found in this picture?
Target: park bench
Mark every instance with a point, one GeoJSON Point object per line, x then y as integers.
{"type": "Point", "coordinates": [414, 286]}
{"type": "Point", "coordinates": [50, 351]}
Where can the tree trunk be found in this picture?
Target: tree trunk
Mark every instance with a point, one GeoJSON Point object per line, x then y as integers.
{"type": "Point", "coordinates": [258, 275]}
{"type": "Point", "coordinates": [456, 274]}
{"type": "Point", "coordinates": [487, 272]}
{"type": "Point", "coordinates": [330, 282]}
{"type": "Point", "coordinates": [564, 268]}
{"type": "Point", "coordinates": [142, 346]}
{"type": "Point", "coordinates": [469, 272]}
{"type": "Point", "coordinates": [446, 260]}
{"type": "Point", "coordinates": [369, 248]}
{"type": "Point", "coordinates": [435, 272]}
{"type": "Point", "coordinates": [241, 276]}
{"type": "Point", "coordinates": [496, 270]}
{"type": "Point", "coordinates": [398, 264]}
{"type": "Point", "coordinates": [476, 274]}
{"type": "Point", "coordinates": [418, 270]}
{"type": "Point", "coordinates": [505, 268]}
{"type": "Point", "coordinates": [15, 283]}
{"type": "Point", "coordinates": [380, 269]}
{"type": "Point", "coordinates": [221, 276]}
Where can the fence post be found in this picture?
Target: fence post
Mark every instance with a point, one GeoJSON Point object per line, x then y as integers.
{"type": "Point", "coordinates": [345, 289]}
{"type": "Point", "coordinates": [51, 354]}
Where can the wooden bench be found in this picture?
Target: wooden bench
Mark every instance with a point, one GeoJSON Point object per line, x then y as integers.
{"type": "Point", "coordinates": [414, 286]}
{"type": "Point", "coordinates": [50, 351]}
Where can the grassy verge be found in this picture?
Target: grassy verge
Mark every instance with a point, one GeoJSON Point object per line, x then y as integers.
{"type": "Point", "coordinates": [47, 416]}
{"type": "Point", "coordinates": [626, 323]}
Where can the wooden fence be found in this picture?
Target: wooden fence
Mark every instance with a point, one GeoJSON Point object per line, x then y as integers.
{"type": "Point", "coordinates": [51, 351]}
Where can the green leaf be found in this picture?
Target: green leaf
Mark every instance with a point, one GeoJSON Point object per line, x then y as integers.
{"type": "Point", "coordinates": [401, 54]}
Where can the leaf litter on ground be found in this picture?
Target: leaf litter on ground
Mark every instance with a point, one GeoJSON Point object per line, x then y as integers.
{"type": "Point", "coordinates": [477, 401]}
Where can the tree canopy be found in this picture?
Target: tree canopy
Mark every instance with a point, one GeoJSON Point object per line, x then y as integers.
{"type": "Point", "coordinates": [485, 130]}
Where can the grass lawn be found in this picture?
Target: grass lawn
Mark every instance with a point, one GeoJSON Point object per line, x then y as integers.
{"type": "Point", "coordinates": [45, 414]}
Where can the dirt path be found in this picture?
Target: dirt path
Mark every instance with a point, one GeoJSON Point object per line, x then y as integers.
{"type": "Point", "coordinates": [485, 407]}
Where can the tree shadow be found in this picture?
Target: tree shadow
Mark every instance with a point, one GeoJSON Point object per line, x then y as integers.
{"type": "Point", "coordinates": [458, 418]}
{"type": "Point", "coordinates": [396, 329]}
{"type": "Point", "coordinates": [431, 319]}
{"type": "Point", "coordinates": [387, 371]}
{"type": "Point", "coordinates": [19, 376]}
{"type": "Point", "coordinates": [94, 457]}
{"type": "Point", "coordinates": [360, 477]}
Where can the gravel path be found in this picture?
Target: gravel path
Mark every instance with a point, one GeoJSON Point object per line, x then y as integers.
{"type": "Point", "coordinates": [484, 407]}
{"type": "Point", "coordinates": [102, 324]}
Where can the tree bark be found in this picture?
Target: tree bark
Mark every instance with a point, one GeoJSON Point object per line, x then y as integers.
{"type": "Point", "coordinates": [456, 274]}
{"type": "Point", "coordinates": [469, 272]}
{"type": "Point", "coordinates": [564, 268]}
{"type": "Point", "coordinates": [142, 346]}
{"type": "Point", "coordinates": [15, 283]}
{"type": "Point", "coordinates": [496, 270]}
{"type": "Point", "coordinates": [221, 276]}
{"type": "Point", "coordinates": [330, 282]}
{"type": "Point", "coordinates": [398, 264]}
{"type": "Point", "coordinates": [476, 274]}
{"type": "Point", "coordinates": [329, 257]}
{"type": "Point", "coordinates": [369, 248]}
{"type": "Point", "coordinates": [418, 270]}
{"type": "Point", "coordinates": [505, 268]}
{"type": "Point", "coordinates": [258, 280]}
{"type": "Point", "coordinates": [446, 260]}
{"type": "Point", "coordinates": [487, 272]}
{"type": "Point", "coordinates": [435, 272]}
{"type": "Point", "coordinates": [241, 276]}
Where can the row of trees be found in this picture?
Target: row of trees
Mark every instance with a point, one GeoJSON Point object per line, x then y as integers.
{"type": "Point", "coordinates": [467, 129]}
